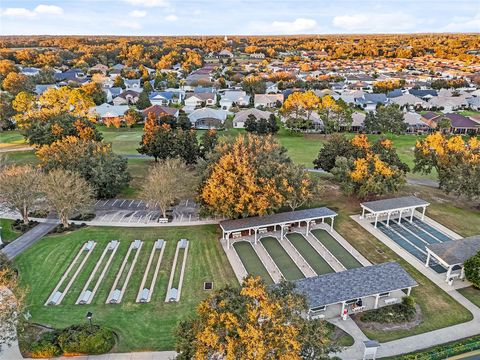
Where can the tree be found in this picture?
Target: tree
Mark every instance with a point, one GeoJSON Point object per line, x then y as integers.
{"type": "Point", "coordinates": [19, 187]}
{"type": "Point", "coordinates": [335, 115]}
{"type": "Point", "coordinates": [456, 160]}
{"type": "Point", "coordinates": [132, 117]}
{"type": "Point", "coordinates": [6, 111]}
{"type": "Point", "coordinates": [12, 303]}
{"type": "Point", "coordinates": [301, 105]}
{"type": "Point", "coordinates": [95, 91]}
{"type": "Point", "coordinates": [58, 127]}
{"type": "Point", "coordinates": [272, 124]}
{"type": "Point", "coordinates": [187, 147]}
{"type": "Point", "coordinates": [338, 145]}
{"type": "Point", "coordinates": [254, 85]}
{"type": "Point", "coordinates": [243, 178]}
{"type": "Point", "coordinates": [67, 193]}
{"type": "Point", "coordinates": [7, 67]}
{"type": "Point", "coordinates": [166, 182]}
{"type": "Point", "coordinates": [208, 142]}
{"type": "Point", "coordinates": [143, 100]}
{"type": "Point", "coordinates": [298, 187]}
{"type": "Point", "coordinates": [15, 83]}
{"type": "Point", "coordinates": [119, 82]}
{"type": "Point", "coordinates": [104, 170]}
{"type": "Point", "coordinates": [251, 124]}
{"type": "Point", "coordinates": [253, 322]}
{"type": "Point", "coordinates": [444, 124]}
{"type": "Point", "coordinates": [472, 270]}
{"type": "Point", "coordinates": [147, 87]}
{"type": "Point", "coordinates": [183, 122]}
{"type": "Point", "coordinates": [388, 119]}
{"type": "Point", "coordinates": [160, 142]}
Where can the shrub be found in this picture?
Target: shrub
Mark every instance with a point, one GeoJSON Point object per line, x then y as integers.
{"type": "Point", "coordinates": [472, 270]}
{"type": "Point", "coordinates": [396, 313]}
{"type": "Point", "coordinates": [18, 225]}
{"type": "Point", "coordinates": [46, 347]}
{"type": "Point", "coordinates": [81, 339]}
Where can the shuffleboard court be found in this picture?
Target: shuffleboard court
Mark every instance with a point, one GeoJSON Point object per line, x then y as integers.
{"type": "Point", "coordinates": [316, 261]}
{"type": "Point", "coordinates": [284, 262]}
{"type": "Point", "coordinates": [347, 259]}
{"type": "Point", "coordinates": [251, 261]}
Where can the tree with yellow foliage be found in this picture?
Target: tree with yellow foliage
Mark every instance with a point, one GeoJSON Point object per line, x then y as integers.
{"type": "Point", "coordinates": [255, 323]}
{"type": "Point", "coordinates": [456, 160]}
{"type": "Point", "coordinates": [301, 105]}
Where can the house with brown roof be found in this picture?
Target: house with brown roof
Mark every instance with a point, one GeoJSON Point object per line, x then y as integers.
{"type": "Point", "coordinates": [160, 111]}
{"type": "Point", "coordinates": [462, 124]}
{"type": "Point", "coordinates": [267, 100]}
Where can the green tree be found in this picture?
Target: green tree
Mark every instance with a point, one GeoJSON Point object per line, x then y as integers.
{"type": "Point", "coordinates": [160, 143]}
{"type": "Point", "coordinates": [472, 270]}
{"type": "Point", "coordinates": [187, 147]}
{"type": "Point", "coordinates": [251, 124]}
{"type": "Point", "coordinates": [208, 141]}
{"type": "Point", "coordinates": [337, 145]}
{"type": "Point", "coordinates": [147, 87]}
{"type": "Point", "coordinates": [388, 119]}
{"type": "Point", "coordinates": [6, 111]}
{"type": "Point", "coordinates": [119, 82]}
{"type": "Point", "coordinates": [143, 100]}
{"type": "Point", "coordinates": [272, 124]}
{"type": "Point", "coordinates": [183, 122]}
{"type": "Point", "coordinates": [95, 91]}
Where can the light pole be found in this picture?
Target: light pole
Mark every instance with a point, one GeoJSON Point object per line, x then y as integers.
{"type": "Point", "coordinates": [1, 242]}
{"type": "Point", "coordinates": [89, 317]}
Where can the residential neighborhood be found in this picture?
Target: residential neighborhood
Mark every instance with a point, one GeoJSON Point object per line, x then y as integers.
{"type": "Point", "coordinates": [235, 180]}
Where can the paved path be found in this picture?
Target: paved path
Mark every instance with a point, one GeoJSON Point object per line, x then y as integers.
{"type": "Point", "coordinates": [29, 238]}
{"type": "Point", "coordinates": [12, 149]}
{"type": "Point", "coordinates": [355, 351]}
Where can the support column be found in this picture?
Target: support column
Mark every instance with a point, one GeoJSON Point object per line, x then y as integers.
{"type": "Point", "coordinates": [308, 226]}
{"type": "Point", "coordinates": [462, 273]}
{"type": "Point", "coordinates": [343, 308]}
{"type": "Point", "coordinates": [388, 218]}
{"type": "Point", "coordinates": [331, 225]}
{"type": "Point", "coordinates": [409, 291]}
{"type": "Point", "coordinates": [256, 233]}
{"type": "Point", "coordinates": [400, 216]}
{"type": "Point", "coordinates": [323, 220]}
{"type": "Point", "coordinates": [363, 213]}
{"type": "Point", "coordinates": [249, 232]}
{"type": "Point", "coordinates": [376, 220]}
{"type": "Point", "coordinates": [427, 263]}
{"type": "Point", "coordinates": [423, 213]}
{"type": "Point", "coordinates": [228, 240]}
{"type": "Point", "coordinates": [411, 216]}
{"type": "Point", "coordinates": [376, 301]}
{"type": "Point", "coordinates": [281, 232]}
{"type": "Point", "coordinates": [449, 272]}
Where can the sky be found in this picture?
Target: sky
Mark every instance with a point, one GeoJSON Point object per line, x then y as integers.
{"type": "Point", "coordinates": [236, 17]}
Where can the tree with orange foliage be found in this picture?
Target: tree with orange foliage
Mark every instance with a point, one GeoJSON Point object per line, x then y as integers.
{"type": "Point", "coordinates": [456, 160]}
{"type": "Point", "coordinates": [254, 322]}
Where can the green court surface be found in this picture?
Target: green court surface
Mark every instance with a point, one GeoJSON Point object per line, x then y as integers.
{"type": "Point", "coordinates": [251, 261]}
{"type": "Point", "coordinates": [316, 261]}
{"type": "Point", "coordinates": [284, 262]}
{"type": "Point", "coordinates": [336, 249]}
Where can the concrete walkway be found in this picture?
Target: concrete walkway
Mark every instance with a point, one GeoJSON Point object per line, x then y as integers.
{"type": "Point", "coordinates": [29, 238]}
{"type": "Point", "coordinates": [355, 351]}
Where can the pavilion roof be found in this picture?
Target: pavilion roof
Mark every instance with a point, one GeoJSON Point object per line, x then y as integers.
{"type": "Point", "coordinates": [405, 202]}
{"type": "Point", "coordinates": [456, 252]}
{"type": "Point", "coordinates": [276, 219]}
{"type": "Point", "coordinates": [334, 288]}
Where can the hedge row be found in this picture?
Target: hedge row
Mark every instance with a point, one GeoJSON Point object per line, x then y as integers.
{"type": "Point", "coordinates": [446, 350]}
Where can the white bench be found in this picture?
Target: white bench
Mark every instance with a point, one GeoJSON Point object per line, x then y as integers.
{"type": "Point", "coordinates": [85, 297]}
{"type": "Point", "coordinates": [173, 294]}
{"type": "Point", "coordinates": [183, 243]}
{"type": "Point", "coordinates": [112, 244]}
{"type": "Point", "coordinates": [89, 245]}
{"type": "Point", "coordinates": [144, 295]}
{"type": "Point", "coordinates": [115, 296]}
{"type": "Point", "coordinates": [159, 243]}
{"type": "Point", "coordinates": [237, 234]}
{"type": "Point", "coordinates": [358, 308]}
{"type": "Point", "coordinates": [163, 220]}
{"type": "Point", "coordinates": [136, 244]}
{"type": "Point", "coordinates": [262, 230]}
{"type": "Point", "coordinates": [55, 298]}
{"type": "Point", "coordinates": [391, 301]}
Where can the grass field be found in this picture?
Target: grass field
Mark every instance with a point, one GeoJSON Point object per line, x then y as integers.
{"type": "Point", "coordinates": [7, 234]}
{"type": "Point", "coordinates": [281, 258]}
{"type": "Point", "coordinates": [251, 261]}
{"type": "Point", "coordinates": [11, 140]}
{"type": "Point", "coordinates": [472, 294]}
{"type": "Point", "coordinates": [314, 259]}
{"type": "Point", "coordinates": [139, 326]}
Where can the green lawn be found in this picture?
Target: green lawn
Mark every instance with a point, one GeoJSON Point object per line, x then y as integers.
{"type": "Point", "coordinates": [251, 261]}
{"type": "Point", "coordinates": [11, 140]}
{"type": "Point", "coordinates": [316, 261]}
{"type": "Point", "coordinates": [284, 262]}
{"type": "Point", "coordinates": [139, 326]}
{"type": "Point", "coordinates": [336, 249]}
{"type": "Point", "coordinates": [21, 157]}
{"type": "Point", "coordinates": [6, 232]}
{"type": "Point", "coordinates": [472, 294]}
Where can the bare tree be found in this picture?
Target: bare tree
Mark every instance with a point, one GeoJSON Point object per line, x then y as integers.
{"type": "Point", "coordinates": [20, 188]}
{"type": "Point", "coordinates": [166, 182]}
{"type": "Point", "coordinates": [67, 193]}
{"type": "Point", "coordinates": [12, 302]}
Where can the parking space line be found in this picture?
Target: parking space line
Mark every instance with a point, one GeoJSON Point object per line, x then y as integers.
{"type": "Point", "coordinates": [122, 202]}
{"type": "Point", "coordinates": [97, 202]}
{"type": "Point", "coordinates": [140, 218]}
{"type": "Point", "coordinates": [130, 220]}
{"type": "Point", "coordinates": [106, 202]}
{"type": "Point", "coordinates": [141, 201]}
{"type": "Point", "coordinates": [114, 202]}
{"type": "Point", "coordinates": [131, 203]}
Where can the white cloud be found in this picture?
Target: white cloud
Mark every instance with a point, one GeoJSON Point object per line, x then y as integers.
{"type": "Point", "coordinates": [129, 25]}
{"type": "Point", "coordinates": [375, 22]}
{"type": "Point", "coordinates": [48, 9]}
{"type": "Point", "coordinates": [171, 18]}
{"type": "Point", "coordinates": [148, 3]}
{"type": "Point", "coordinates": [18, 12]}
{"type": "Point", "coordinates": [138, 13]}
{"type": "Point", "coordinates": [297, 26]}
{"type": "Point", "coordinates": [464, 24]}
{"type": "Point", "coordinates": [27, 13]}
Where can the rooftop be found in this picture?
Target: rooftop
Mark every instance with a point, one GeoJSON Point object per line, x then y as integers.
{"type": "Point", "coordinates": [455, 252]}
{"type": "Point", "coordinates": [352, 284]}
{"type": "Point", "coordinates": [404, 202]}
{"type": "Point", "coordinates": [279, 218]}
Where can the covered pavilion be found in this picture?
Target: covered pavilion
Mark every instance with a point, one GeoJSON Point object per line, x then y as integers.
{"type": "Point", "coordinates": [356, 290]}
{"type": "Point", "coordinates": [263, 224]}
{"type": "Point", "coordinates": [452, 254]}
{"type": "Point", "coordinates": [389, 207]}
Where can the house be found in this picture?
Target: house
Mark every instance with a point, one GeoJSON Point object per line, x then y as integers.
{"type": "Point", "coordinates": [231, 98]}
{"type": "Point", "coordinates": [133, 84]}
{"type": "Point", "coordinates": [369, 102]}
{"type": "Point", "coordinates": [225, 54]}
{"type": "Point", "coordinates": [99, 68]}
{"type": "Point", "coordinates": [161, 111]}
{"type": "Point", "coordinates": [112, 93]}
{"type": "Point", "coordinates": [76, 76]}
{"type": "Point", "coordinates": [207, 118]}
{"type": "Point", "coordinates": [414, 122]}
{"type": "Point", "coordinates": [40, 89]}
{"type": "Point", "coordinates": [257, 56]}
{"type": "Point", "coordinates": [449, 103]}
{"type": "Point", "coordinates": [161, 98]}
{"type": "Point", "coordinates": [474, 103]}
{"type": "Point", "coordinates": [358, 121]}
{"type": "Point", "coordinates": [424, 94]}
{"type": "Point", "coordinates": [197, 99]}
{"type": "Point", "coordinates": [30, 71]}
{"type": "Point", "coordinates": [242, 116]}
{"type": "Point", "coordinates": [268, 100]}
{"type": "Point", "coordinates": [118, 67]}
{"type": "Point", "coordinates": [107, 112]}
{"type": "Point", "coordinates": [409, 101]}
{"type": "Point", "coordinates": [431, 119]}
{"type": "Point", "coordinates": [126, 97]}
{"type": "Point", "coordinates": [462, 124]}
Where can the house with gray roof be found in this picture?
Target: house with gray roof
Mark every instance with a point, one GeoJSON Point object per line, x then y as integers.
{"type": "Point", "coordinates": [242, 116]}
{"type": "Point", "coordinates": [369, 102]}
{"type": "Point", "coordinates": [207, 118]}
